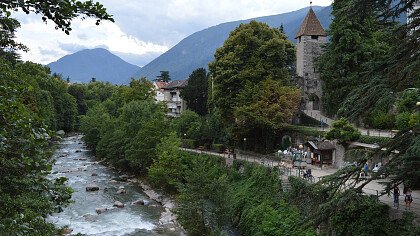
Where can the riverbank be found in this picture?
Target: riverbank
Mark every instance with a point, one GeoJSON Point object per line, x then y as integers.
{"type": "Point", "coordinates": [168, 218]}
{"type": "Point", "coordinates": [142, 211]}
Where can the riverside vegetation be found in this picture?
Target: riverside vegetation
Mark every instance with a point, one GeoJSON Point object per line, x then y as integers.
{"type": "Point", "coordinates": [125, 127]}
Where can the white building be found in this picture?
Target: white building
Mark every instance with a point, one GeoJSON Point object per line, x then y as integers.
{"type": "Point", "coordinates": [170, 94]}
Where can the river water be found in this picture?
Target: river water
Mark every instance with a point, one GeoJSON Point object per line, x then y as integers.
{"type": "Point", "coordinates": [80, 167]}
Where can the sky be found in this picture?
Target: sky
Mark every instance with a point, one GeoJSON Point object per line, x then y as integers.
{"type": "Point", "coordinates": [143, 29]}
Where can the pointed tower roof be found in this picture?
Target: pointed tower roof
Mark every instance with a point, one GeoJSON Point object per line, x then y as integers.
{"type": "Point", "coordinates": [311, 26]}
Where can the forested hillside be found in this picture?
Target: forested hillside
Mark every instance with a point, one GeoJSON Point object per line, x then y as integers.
{"type": "Point", "coordinates": [197, 50]}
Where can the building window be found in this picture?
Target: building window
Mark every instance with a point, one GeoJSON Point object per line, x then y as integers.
{"type": "Point", "coordinates": [300, 39]}
{"type": "Point", "coordinates": [314, 37]}
{"type": "Point", "coordinates": [306, 74]}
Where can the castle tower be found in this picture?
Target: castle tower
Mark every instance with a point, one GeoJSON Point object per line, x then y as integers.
{"type": "Point", "coordinates": [310, 39]}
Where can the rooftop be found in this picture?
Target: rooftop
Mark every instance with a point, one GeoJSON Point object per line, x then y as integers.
{"type": "Point", "coordinates": [311, 26]}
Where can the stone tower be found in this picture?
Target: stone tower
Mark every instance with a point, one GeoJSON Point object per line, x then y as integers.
{"type": "Point", "coordinates": [310, 39]}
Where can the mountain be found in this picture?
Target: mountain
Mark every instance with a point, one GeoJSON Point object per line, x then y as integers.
{"type": "Point", "coordinates": [198, 49]}
{"type": "Point", "coordinates": [97, 63]}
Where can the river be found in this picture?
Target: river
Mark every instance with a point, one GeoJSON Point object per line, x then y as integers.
{"type": "Point", "coordinates": [81, 168]}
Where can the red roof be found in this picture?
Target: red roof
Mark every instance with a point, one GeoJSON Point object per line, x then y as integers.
{"type": "Point", "coordinates": [160, 85]}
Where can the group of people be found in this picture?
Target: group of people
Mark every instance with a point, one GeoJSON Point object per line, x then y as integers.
{"type": "Point", "coordinates": [408, 198]}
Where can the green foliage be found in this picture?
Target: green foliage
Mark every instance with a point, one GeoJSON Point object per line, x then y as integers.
{"type": "Point", "coordinates": [195, 92]}
{"type": "Point", "coordinates": [307, 131]}
{"type": "Point", "coordinates": [189, 143]}
{"type": "Point", "coordinates": [201, 200]}
{"type": "Point", "coordinates": [252, 53]}
{"type": "Point", "coordinates": [167, 169]}
{"type": "Point", "coordinates": [343, 131]}
{"type": "Point", "coordinates": [272, 106]}
{"type": "Point", "coordinates": [124, 125]}
{"type": "Point", "coordinates": [189, 125]}
{"type": "Point", "coordinates": [26, 194]}
{"type": "Point", "coordinates": [139, 90]}
{"type": "Point", "coordinates": [78, 91]}
{"type": "Point", "coordinates": [250, 79]}
{"type": "Point", "coordinates": [60, 12]}
{"type": "Point", "coordinates": [356, 39]}
{"type": "Point", "coordinates": [373, 139]}
{"type": "Point", "coordinates": [164, 76]}
{"type": "Point", "coordinates": [218, 147]}
{"type": "Point", "coordinates": [382, 119]}
{"type": "Point", "coordinates": [402, 120]}
{"type": "Point", "coordinates": [408, 99]}
{"type": "Point", "coordinates": [355, 214]}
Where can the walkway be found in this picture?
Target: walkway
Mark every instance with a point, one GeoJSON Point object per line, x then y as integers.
{"type": "Point", "coordinates": [373, 188]}
{"type": "Point", "coordinates": [316, 114]}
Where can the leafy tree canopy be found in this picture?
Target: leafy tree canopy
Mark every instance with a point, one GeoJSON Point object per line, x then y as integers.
{"type": "Point", "coordinates": [343, 131]}
{"type": "Point", "coordinates": [59, 11]}
{"type": "Point", "coordinates": [195, 92]}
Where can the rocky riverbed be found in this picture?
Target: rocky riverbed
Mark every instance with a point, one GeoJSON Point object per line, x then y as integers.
{"type": "Point", "coordinates": [108, 203]}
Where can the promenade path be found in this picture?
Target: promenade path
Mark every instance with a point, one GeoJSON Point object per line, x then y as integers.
{"type": "Point", "coordinates": [315, 114]}
{"type": "Point", "coordinates": [373, 188]}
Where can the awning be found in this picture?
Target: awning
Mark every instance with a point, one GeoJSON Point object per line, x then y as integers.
{"type": "Point", "coordinates": [312, 144]}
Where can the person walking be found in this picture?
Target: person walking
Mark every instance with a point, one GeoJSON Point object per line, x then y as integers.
{"type": "Point", "coordinates": [396, 196]}
{"type": "Point", "coordinates": [408, 199]}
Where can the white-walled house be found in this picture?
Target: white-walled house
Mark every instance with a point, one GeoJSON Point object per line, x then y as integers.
{"type": "Point", "coordinates": [170, 94]}
{"type": "Point", "coordinates": [159, 88]}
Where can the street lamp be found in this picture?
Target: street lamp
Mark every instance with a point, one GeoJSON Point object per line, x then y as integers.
{"type": "Point", "coordinates": [301, 147]}
{"type": "Point", "coordinates": [245, 146]}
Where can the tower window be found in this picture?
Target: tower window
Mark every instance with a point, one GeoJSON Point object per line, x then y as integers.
{"type": "Point", "coordinates": [314, 37]}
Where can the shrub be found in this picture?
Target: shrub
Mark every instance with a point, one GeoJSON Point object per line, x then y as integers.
{"type": "Point", "coordinates": [382, 120]}
{"type": "Point", "coordinates": [218, 147]}
{"type": "Point", "coordinates": [189, 143]}
{"type": "Point", "coordinates": [343, 131]}
{"type": "Point", "coordinates": [402, 120]}
{"type": "Point", "coordinates": [373, 139]}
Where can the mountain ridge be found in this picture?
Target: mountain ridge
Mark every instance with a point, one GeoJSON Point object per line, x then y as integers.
{"type": "Point", "coordinates": [97, 63]}
{"type": "Point", "coordinates": [198, 49]}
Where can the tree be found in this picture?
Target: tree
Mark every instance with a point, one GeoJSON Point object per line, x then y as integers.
{"type": "Point", "coordinates": [59, 11]}
{"type": "Point", "coordinates": [252, 53]}
{"type": "Point", "coordinates": [26, 194]}
{"type": "Point", "coordinates": [78, 91]}
{"type": "Point", "coordinates": [167, 169]}
{"type": "Point", "coordinates": [255, 57]}
{"type": "Point", "coordinates": [195, 92]}
{"type": "Point", "coordinates": [8, 45]}
{"type": "Point", "coordinates": [164, 76]}
{"type": "Point", "coordinates": [343, 131]}
{"type": "Point", "coordinates": [356, 39]}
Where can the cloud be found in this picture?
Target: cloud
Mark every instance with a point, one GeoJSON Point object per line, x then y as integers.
{"type": "Point", "coordinates": [145, 28]}
{"type": "Point", "coordinates": [71, 47]}
{"type": "Point", "coordinates": [34, 33]}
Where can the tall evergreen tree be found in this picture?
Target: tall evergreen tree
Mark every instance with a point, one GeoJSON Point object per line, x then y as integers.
{"type": "Point", "coordinates": [195, 92]}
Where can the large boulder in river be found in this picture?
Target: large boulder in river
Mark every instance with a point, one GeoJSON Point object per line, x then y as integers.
{"type": "Point", "coordinates": [61, 133]}
{"type": "Point", "coordinates": [121, 191]}
{"type": "Point", "coordinates": [66, 230]}
{"type": "Point", "coordinates": [118, 204]}
{"type": "Point", "coordinates": [124, 177]}
{"type": "Point", "coordinates": [138, 202]}
{"type": "Point", "coordinates": [100, 210]}
{"type": "Point", "coordinates": [92, 188]}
